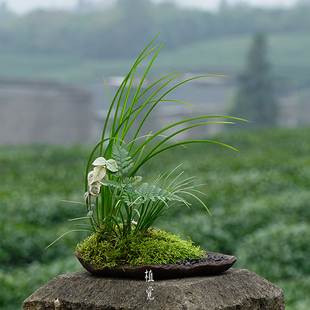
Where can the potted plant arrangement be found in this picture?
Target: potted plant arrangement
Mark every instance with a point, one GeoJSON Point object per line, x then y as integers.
{"type": "Point", "coordinates": [121, 207]}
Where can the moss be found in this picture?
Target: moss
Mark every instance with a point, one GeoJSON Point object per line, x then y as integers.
{"type": "Point", "coordinates": [148, 247]}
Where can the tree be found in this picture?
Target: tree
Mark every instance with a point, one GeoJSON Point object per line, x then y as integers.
{"type": "Point", "coordinates": [255, 99]}
{"type": "Point", "coordinates": [135, 25]}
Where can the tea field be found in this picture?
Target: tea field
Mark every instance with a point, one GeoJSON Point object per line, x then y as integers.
{"type": "Point", "coordinates": [259, 198]}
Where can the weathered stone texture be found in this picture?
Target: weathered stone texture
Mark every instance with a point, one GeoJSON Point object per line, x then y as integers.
{"type": "Point", "coordinates": [235, 289]}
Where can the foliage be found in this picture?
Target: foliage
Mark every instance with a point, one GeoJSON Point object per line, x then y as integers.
{"type": "Point", "coordinates": [114, 198]}
{"type": "Point", "coordinates": [255, 99]}
{"type": "Point", "coordinates": [76, 47]}
{"type": "Point", "coordinates": [262, 212]}
{"type": "Point", "coordinates": [37, 206]}
{"type": "Point", "coordinates": [286, 246]}
{"type": "Point", "coordinates": [147, 247]}
{"type": "Point", "coordinates": [120, 28]}
{"type": "Point", "coordinates": [288, 55]}
{"type": "Point", "coordinates": [142, 203]}
{"type": "Point", "coordinates": [33, 180]}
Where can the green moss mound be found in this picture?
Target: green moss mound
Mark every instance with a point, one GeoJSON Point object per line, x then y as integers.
{"type": "Point", "coordinates": [148, 247]}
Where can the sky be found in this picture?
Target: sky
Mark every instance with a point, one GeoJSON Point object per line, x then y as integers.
{"type": "Point", "coordinates": [24, 6]}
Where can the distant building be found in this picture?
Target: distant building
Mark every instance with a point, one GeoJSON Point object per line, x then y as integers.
{"type": "Point", "coordinates": [44, 112]}
{"type": "Point", "coordinates": [49, 112]}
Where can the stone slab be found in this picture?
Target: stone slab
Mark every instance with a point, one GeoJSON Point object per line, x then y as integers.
{"type": "Point", "coordinates": [235, 289]}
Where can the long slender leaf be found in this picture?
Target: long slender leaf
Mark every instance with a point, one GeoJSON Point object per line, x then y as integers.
{"type": "Point", "coordinates": [121, 200]}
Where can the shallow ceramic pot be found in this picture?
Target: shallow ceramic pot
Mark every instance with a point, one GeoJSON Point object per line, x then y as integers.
{"type": "Point", "coordinates": [219, 264]}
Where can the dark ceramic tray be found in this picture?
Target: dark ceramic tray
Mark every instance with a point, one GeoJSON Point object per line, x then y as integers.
{"type": "Point", "coordinates": [217, 264]}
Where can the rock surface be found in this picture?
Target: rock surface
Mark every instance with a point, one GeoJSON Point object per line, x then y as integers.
{"type": "Point", "coordinates": [234, 289]}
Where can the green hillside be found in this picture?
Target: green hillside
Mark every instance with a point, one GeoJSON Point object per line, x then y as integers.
{"type": "Point", "coordinates": [259, 199]}
{"type": "Point", "coordinates": [289, 56]}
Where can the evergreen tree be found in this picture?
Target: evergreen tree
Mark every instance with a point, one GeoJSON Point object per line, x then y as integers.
{"type": "Point", "coordinates": [255, 99]}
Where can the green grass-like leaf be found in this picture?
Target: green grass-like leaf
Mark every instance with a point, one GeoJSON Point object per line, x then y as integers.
{"type": "Point", "coordinates": [114, 205]}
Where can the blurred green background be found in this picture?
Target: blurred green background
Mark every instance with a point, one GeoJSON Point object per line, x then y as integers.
{"type": "Point", "coordinates": [259, 199]}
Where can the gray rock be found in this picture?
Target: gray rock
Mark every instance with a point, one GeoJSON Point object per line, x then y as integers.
{"type": "Point", "coordinates": [234, 289]}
